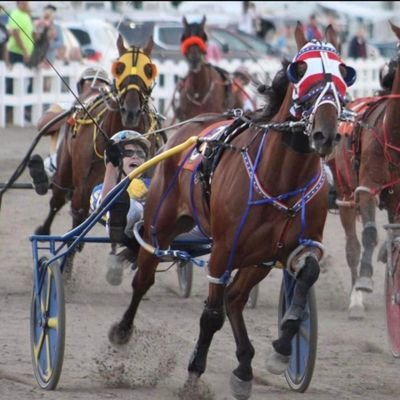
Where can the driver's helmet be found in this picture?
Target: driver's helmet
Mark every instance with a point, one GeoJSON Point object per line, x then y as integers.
{"type": "Point", "coordinates": [94, 73]}
{"type": "Point", "coordinates": [124, 137]}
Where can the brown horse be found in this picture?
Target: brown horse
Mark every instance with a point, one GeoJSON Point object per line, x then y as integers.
{"type": "Point", "coordinates": [205, 88]}
{"type": "Point", "coordinates": [80, 163]}
{"type": "Point", "coordinates": [260, 193]}
{"type": "Point", "coordinates": [366, 169]}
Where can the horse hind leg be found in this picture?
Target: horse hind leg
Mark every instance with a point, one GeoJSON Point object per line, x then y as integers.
{"type": "Point", "coordinates": [369, 240]}
{"type": "Point", "coordinates": [307, 271]}
{"type": "Point", "coordinates": [356, 309]}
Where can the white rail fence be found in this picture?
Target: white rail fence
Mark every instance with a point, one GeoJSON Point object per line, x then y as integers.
{"type": "Point", "coordinates": [47, 87]}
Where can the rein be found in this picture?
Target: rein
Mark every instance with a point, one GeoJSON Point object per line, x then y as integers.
{"type": "Point", "coordinates": [387, 147]}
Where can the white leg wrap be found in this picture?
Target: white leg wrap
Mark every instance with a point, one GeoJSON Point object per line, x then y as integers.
{"type": "Point", "coordinates": [297, 259]}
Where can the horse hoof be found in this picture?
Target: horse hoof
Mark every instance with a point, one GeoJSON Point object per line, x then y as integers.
{"type": "Point", "coordinates": [40, 230]}
{"type": "Point", "coordinates": [356, 311]}
{"type": "Point", "coordinates": [277, 364]}
{"type": "Point", "coordinates": [118, 336]}
{"type": "Point", "coordinates": [241, 390]}
{"type": "Point", "coordinates": [382, 254]}
{"type": "Point", "coordinates": [365, 284]}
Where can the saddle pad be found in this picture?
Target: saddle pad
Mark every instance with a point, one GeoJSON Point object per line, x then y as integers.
{"type": "Point", "coordinates": [213, 132]}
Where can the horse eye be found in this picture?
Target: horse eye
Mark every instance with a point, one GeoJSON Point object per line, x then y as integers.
{"type": "Point", "coordinates": [296, 71]}
{"type": "Point", "coordinates": [119, 68]}
{"type": "Point", "coordinates": [349, 74]}
{"type": "Point", "coordinates": [148, 70]}
{"type": "Point", "coordinates": [301, 69]}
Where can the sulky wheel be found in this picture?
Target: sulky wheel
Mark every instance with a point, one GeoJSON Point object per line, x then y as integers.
{"type": "Point", "coordinates": [304, 345]}
{"type": "Point", "coordinates": [48, 325]}
{"type": "Point", "coordinates": [185, 277]}
{"type": "Point", "coordinates": [392, 301]}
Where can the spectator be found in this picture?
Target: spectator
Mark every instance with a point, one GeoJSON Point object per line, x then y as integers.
{"type": "Point", "coordinates": [249, 18]}
{"type": "Point", "coordinates": [4, 36]}
{"type": "Point", "coordinates": [48, 38]}
{"type": "Point", "coordinates": [20, 27]}
{"type": "Point", "coordinates": [358, 44]}
{"type": "Point", "coordinates": [312, 30]}
{"type": "Point", "coordinates": [284, 41]}
{"type": "Point", "coordinates": [19, 47]}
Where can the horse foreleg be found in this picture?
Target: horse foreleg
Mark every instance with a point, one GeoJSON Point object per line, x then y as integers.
{"type": "Point", "coordinates": [211, 320]}
{"type": "Point", "coordinates": [348, 217]}
{"type": "Point", "coordinates": [121, 332]}
{"type": "Point", "coordinates": [237, 295]}
{"type": "Point", "coordinates": [369, 241]}
{"type": "Point", "coordinates": [307, 272]}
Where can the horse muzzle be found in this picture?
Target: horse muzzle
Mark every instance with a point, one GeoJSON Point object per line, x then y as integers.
{"type": "Point", "coordinates": [324, 143]}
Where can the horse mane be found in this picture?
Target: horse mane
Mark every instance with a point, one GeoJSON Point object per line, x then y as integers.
{"type": "Point", "coordinates": [276, 92]}
{"type": "Point", "coordinates": [386, 79]}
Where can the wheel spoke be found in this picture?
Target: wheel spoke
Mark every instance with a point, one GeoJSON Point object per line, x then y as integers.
{"type": "Point", "coordinates": [37, 347]}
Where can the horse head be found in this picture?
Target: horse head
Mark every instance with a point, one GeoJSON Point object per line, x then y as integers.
{"type": "Point", "coordinates": [319, 80]}
{"type": "Point", "coordinates": [134, 78]}
{"type": "Point", "coordinates": [194, 43]}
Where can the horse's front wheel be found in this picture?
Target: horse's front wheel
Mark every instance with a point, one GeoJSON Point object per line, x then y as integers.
{"type": "Point", "coordinates": [304, 345]}
{"type": "Point", "coordinates": [48, 326]}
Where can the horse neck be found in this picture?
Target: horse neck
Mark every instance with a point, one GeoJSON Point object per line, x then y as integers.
{"type": "Point", "coordinates": [392, 115]}
{"type": "Point", "coordinates": [200, 81]}
{"type": "Point", "coordinates": [290, 150]}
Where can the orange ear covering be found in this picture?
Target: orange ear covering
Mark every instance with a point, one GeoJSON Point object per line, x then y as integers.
{"type": "Point", "coordinates": [193, 40]}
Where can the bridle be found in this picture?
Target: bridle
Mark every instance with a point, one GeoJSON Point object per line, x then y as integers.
{"type": "Point", "coordinates": [134, 70]}
{"type": "Point", "coordinates": [322, 78]}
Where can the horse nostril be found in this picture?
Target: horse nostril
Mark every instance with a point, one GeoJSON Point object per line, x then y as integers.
{"type": "Point", "coordinates": [338, 137]}
{"type": "Point", "coordinates": [318, 136]}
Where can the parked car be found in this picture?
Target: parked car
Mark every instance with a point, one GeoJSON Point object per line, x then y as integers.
{"type": "Point", "coordinates": [167, 36]}
{"type": "Point", "coordinates": [386, 49]}
{"type": "Point", "coordinates": [72, 49]}
{"type": "Point", "coordinates": [97, 39]}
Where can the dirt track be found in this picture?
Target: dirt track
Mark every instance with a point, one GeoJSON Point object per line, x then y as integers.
{"type": "Point", "coordinates": [353, 358]}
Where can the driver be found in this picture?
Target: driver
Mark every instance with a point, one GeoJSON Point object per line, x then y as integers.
{"type": "Point", "coordinates": [41, 171]}
{"type": "Point", "coordinates": [128, 150]}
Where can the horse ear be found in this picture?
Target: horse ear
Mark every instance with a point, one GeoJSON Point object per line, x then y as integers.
{"type": "Point", "coordinates": [330, 35]}
{"type": "Point", "coordinates": [203, 21]}
{"type": "Point", "coordinates": [299, 35]}
{"type": "Point", "coordinates": [149, 46]}
{"type": "Point", "coordinates": [395, 29]}
{"type": "Point", "coordinates": [120, 45]}
{"type": "Point", "coordinates": [184, 21]}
